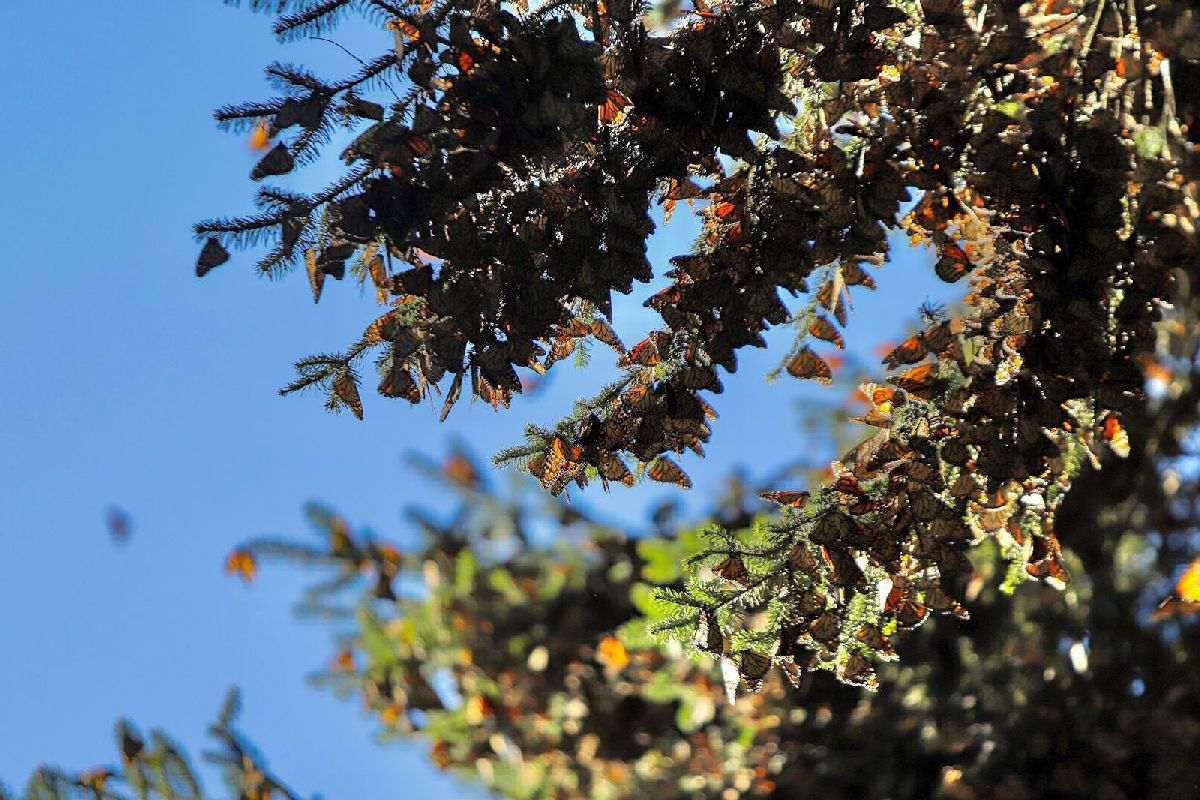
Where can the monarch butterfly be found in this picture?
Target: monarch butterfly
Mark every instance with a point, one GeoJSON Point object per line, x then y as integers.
{"type": "Point", "coordinates": [537, 467]}
{"type": "Point", "coordinates": [953, 265]}
{"type": "Point", "coordinates": [377, 331]}
{"type": "Point", "coordinates": [404, 29]}
{"type": "Point", "coordinates": [212, 255]}
{"type": "Point", "coordinates": [857, 671]}
{"type": "Point", "coordinates": [612, 468]}
{"type": "Point", "coordinates": [920, 382]}
{"type": "Point", "coordinates": [644, 353]}
{"type": "Point", "coordinates": [565, 451]}
{"type": "Point", "coordinates": [1116, 437]}
{"type": "Point", "coordinates": [560, 348]}
{"type": "Point", "coordinates": [451, 396]}
{"type": "Point", "coordinates": [277, 161]}
{"type": "Point", "coordinates": [732, 569]}
{"type": "Point", "coordinates": [1186, 597]}
{"type": "Point", "coordinates": [823, 329]}
{"type": "Point", "coordinates": [613, 110]}
{"type": "Point", "coordinates": [843, 571]}
{"type": "Point", "coordinates": [964, 486]}
{"type": "Point", "coordinates": [664, 470]}
{"type": "Point", "coordinates": [909, 613]}
{"type": "Point", "coordinates": [921, 473]}
{"type": "Point", "coordinates": [872, 637]}
{"type": "Point", "coordinates": [807, 365]}
{"type": "Point", "coordinates": [399, 383]}
{"type": "Point", "coordinates": [461, 471]}
{"type": "Point", "coordinates": [938, 337]}
{"type": "Point", "coordinates": [910, 351]}
{"type": "Point", "coordinates": [377, 269]}
{"type": "Point", "coordinates": [119, 524]}
{"type": "Point", "coordinates": [848, 484]}
{"type": "Point", "coordinates": [723, 209]}
{"type": "Point", "coordinates": [793, 671]}
{"type": "Point", "coordinates": [316, 275]}
{"type": "Point", "coordinates": [1045, 560]}
{"type": "Point", "coordinates": [604, 333]}
{"type": "Point", "coordinates": [242, 564]}
{"type": "Point", "coordinates": [753, 668]}
{"type": "Point", "coordinates": [669, 296]}
{"type": "Point", "coordinates": [825, 627]}
{"type": "Point", "coordinates": [260, 137]}
{"type": "Point", "coordinates": [802, 560]}
{"type": "Point", "coordinates": [827, 299]}
{"type": "Point", "coordinates": [345, 389]}
{"type": "Point", "coordinates": [792, 499]}
{"type": "Point", "coordinates": [854, 275]}
{"type": "Point", "coordinates": [612, 654]}
{"type": "Point", "coordinates": [926, 506]}
{"type": "Point", "coordinates": [639, 398]}
{"type": "Point", "coordinates": [709, 638]}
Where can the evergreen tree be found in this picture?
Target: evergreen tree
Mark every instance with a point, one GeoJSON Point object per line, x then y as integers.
{"type": "Point", "coordinates": [499, 190]}
{"type": "Point", "coordinates": [501, 184]}
{"type": "Point", "coordinates": [525, 665]}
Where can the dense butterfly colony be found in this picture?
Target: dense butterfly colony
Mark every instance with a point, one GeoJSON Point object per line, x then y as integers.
{"type": "Point", "coordinates": [498, 202]}
{"type": "Point", "coordinates": [521, 661]}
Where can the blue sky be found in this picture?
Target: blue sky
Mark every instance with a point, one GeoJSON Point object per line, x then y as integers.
{"type": "Point", "coordinates": [130, 383]}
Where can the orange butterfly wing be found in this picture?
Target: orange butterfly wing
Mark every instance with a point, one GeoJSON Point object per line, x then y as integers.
{"type": "Point", "coordinates": [807, 365]}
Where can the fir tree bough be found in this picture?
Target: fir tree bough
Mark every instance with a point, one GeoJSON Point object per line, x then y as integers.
{"type": "Point", "coordinates": [500, 189]}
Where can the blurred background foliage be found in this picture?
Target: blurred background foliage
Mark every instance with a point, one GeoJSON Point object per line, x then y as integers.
{"type": "Point", "coordinates": [513, 644]}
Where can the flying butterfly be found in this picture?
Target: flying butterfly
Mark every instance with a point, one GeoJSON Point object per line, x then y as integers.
{"type": "Point", "coordinates": [119, 524]}
{"type": "Point", "coordinates": [242, 564]}
{"type": "Point", "coordinates": [1186, 597]}
{"type": "Point", "coordinates": [132, 745]}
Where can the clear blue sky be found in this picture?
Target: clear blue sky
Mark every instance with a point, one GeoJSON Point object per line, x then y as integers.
{"type": "Point", "coordinates": [129, 382]}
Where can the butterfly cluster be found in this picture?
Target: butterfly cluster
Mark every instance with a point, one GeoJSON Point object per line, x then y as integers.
{"type": "Point", "coordinates": [504, 196]}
